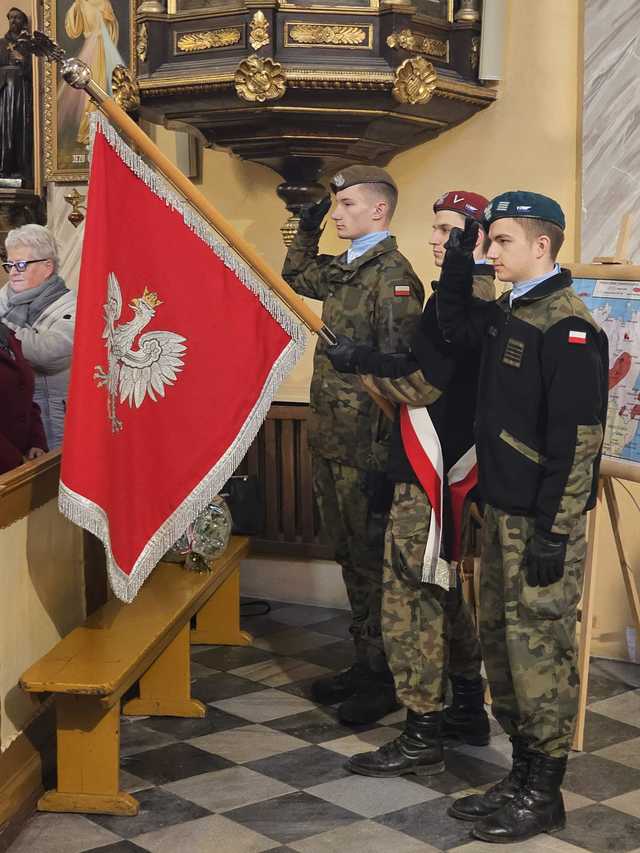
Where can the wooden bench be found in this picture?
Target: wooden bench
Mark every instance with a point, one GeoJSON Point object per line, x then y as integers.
{"type": "Point", "coordinates": [149, 640]}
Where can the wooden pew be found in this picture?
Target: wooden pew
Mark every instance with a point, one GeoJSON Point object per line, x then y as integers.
{"type": "Point", "coordinates": [149, 640]}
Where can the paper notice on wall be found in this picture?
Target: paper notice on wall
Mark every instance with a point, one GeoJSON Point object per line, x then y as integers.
{"type": "Point", "coordinates": [607, 289]}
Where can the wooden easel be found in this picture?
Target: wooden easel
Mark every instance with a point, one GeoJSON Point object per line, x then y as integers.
{"type": "Point", "coordinates": [620, 268]}
{"type": "Point", "coordinates": [606, 493]}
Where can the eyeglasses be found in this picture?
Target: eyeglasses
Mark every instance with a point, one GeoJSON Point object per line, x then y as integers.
{"type": "Point", "coordinates": [21, 266]}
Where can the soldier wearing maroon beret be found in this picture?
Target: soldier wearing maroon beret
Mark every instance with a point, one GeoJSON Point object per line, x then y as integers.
{"type": "Point", "coordinates": [428, 632]}
{"type": "Point", "coordinates": [451, 211]}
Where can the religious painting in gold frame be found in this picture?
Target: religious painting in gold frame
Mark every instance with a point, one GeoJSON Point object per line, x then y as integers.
{"type": "Point", "coordinates": [102, 34]}
{"type": "Point", "coordinates": [33, 179]}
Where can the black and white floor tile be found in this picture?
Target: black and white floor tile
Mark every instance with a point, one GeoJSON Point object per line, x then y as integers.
{"type": "Point", "coordinates": [265, 770]}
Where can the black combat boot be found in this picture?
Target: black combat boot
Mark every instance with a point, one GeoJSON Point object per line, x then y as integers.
{"type": "Point", "coordinates": [374, 697]}
{"type": "Point", "coordinates": [480, 805]}
{"type": "Point", "coordinates": [466, 720]}
{"type": "Point", "coordinates": [336, 688]}
{"type": "Point", "coordinates": [537, 807]}
{"type": "Point", "coordinates": [418, 750]}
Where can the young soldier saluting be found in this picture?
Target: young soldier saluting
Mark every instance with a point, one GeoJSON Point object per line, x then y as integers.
{"type": "Point", "coordinates": [426, 625]}
{"type": "Point", "coordinates": [370, 292]}
{"type": "Point", "coordinates": [539, 429]}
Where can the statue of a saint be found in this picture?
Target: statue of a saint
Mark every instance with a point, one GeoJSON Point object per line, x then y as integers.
{"type": "Point", "coordinates": [16, 103]}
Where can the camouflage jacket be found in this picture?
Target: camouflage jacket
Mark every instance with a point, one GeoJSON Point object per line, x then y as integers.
{"type": "Point", "coordinates": [368, 300]}
{"type": "Point", "coordinates": [542, 396]}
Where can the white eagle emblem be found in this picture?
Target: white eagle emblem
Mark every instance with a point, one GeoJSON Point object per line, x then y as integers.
{"type": "Point", "coordinates": [131, 373]}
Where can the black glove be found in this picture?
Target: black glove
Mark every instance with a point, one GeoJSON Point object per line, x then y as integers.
{"type": "Point", "coordinates": [312, 214]}
{"type": "Point", "coordinates": [461, 244]}
{"type": "Point", "coordinates": [344, 355]}
{"type": "Point", "coordinates": [545, 559]}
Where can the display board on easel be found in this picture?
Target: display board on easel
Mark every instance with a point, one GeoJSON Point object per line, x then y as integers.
{"type": "Point", "coordinates": [611, 291]}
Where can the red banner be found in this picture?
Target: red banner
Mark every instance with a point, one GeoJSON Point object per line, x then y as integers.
{"type": "Point", "coordinates": [177, 355]}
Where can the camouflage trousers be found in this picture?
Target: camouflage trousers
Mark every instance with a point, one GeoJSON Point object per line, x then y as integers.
{"type": "Point", "coordinates": [357, 534]}
{"type": "Point", "coordinates": [528, 634]}
{"type": "Point", "coordinates": [428, 631]}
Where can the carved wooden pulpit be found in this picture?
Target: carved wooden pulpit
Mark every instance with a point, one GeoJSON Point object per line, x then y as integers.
{"type": "Point", "coordinates": [307, 86]}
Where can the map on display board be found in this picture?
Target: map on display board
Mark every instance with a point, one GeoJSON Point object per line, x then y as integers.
{"type": "Point", "coordinates": [615, 306]}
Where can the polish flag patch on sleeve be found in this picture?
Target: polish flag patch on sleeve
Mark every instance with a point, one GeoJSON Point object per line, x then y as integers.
{"type": "Point", "coordinates": [401, 290]}
{"type": "Point", "coordinates": [577, 337]}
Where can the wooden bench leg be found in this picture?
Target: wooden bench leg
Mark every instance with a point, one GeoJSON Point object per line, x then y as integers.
{"type": "Point", "coordinates": [218, 622]}
{"type": "Point", "coordinates": [165, 688]}
{"type": "Point", "coordinates": [88, 744]}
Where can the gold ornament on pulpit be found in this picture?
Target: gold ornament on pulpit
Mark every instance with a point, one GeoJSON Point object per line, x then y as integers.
{"type": "Point", "coordinates": [259, 31]}
{"type": "Point", "coordinates": [261, 80]}
{"type": "Point", "coordinates": [142, 42]}
{"type": "Point", "coordinates": [126, 92]}
{"type": "Point", "coordinates": [415, 81]}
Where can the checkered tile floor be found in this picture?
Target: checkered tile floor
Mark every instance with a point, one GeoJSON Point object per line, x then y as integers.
{"type": "Point", "coordinates": [265, 770]}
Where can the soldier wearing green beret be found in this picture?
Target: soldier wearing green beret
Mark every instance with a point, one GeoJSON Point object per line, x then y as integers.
{"type": "Point", "coordinates": [369, 292]}
{"type": "Point", "coordinates": [539, 430]}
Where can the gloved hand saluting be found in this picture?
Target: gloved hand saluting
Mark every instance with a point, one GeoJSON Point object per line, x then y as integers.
{"type": "Point", "coordinates": [344, 355]}
{"type": "Point", "coordinates": [545, 560]}
{"type": "Point", "coordinates": [312, 214]}
{"type": "Point", "coordinates": [461, 244]}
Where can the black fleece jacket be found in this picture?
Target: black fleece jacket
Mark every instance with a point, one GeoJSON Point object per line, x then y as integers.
{"type": "Point", "coordinates": [542, 395]}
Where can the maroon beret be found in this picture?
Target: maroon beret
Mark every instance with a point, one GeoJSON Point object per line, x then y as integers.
{"type": "Point", "coordinates": [461, 201]}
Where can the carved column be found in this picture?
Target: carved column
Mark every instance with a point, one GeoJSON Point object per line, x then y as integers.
{"type": "Point", "coordinates": [468, 13]}
{"type": "Point", "coordinates": [152, 6]}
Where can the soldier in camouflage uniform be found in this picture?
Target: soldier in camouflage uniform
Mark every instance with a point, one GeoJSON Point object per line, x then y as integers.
{"type": "Point", "coordinates": [539, 430]}
{"type": "Point", "coordinates": [427, 628]}
{"type": "Point", "coordinates": [370, 292]}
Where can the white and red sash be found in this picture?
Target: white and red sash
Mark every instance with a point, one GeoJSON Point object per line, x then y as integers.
{"type": "Point", "coordinates": [424, 451]}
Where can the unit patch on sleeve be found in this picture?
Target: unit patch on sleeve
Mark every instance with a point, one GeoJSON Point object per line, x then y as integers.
{"type": "Point", "coordinates": [577, 337]}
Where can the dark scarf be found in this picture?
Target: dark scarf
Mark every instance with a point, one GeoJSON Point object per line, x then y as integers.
{"type": "Point", "coordinates": [26, 307]}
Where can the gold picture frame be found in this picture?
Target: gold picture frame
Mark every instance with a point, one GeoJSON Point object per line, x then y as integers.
{"type": "Point", "coordinates": [330, 5]}
{"type": "Point", "coordinates": [30, 9]}
{"type": "Point", "coordinates": [75, 26]}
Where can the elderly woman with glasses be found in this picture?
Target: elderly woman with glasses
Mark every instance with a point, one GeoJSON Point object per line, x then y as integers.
{"type": "Point", "coordinates": [41, 310]}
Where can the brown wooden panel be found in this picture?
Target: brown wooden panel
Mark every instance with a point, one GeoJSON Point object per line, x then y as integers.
{"type": "Point", "coordinates": [305, 469]}
{"type": "Point", "coordinates": [288, 482]}
{"type": "Point", "coordinates": [281, 460]}
{"type": "Point", "coordinates": [282, 412]}
{"type": "Point", "coordinates": [271, 513]}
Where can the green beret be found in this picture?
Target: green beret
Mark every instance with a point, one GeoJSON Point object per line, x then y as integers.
{"type": "Point", "coordinates": [520, 204]}
{"type": "Point", "coordinates": [353, 175]}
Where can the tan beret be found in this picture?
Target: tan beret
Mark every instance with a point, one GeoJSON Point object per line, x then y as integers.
{"type": "Point", "coordinates": [353, 175]}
